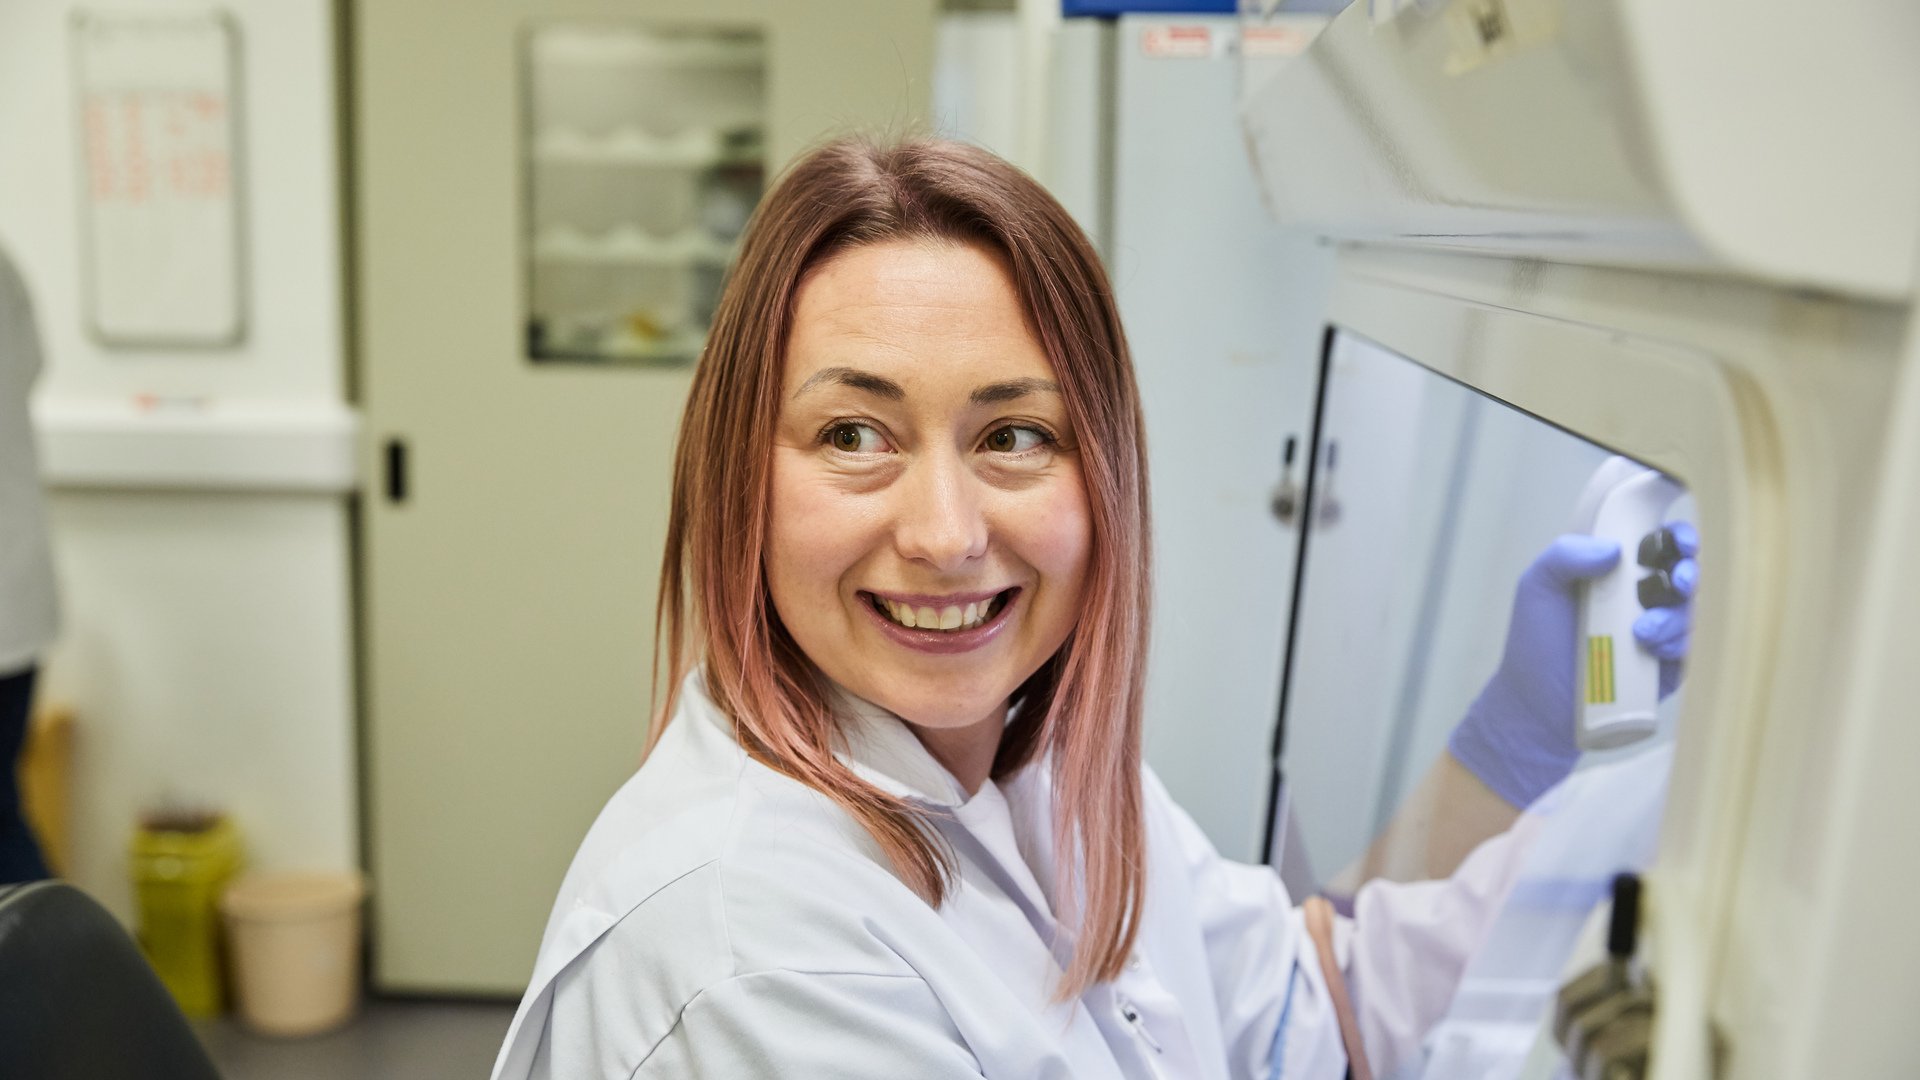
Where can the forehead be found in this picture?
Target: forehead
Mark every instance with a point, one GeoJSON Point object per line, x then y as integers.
{"type": "Point", "coordinates": [913, 309]}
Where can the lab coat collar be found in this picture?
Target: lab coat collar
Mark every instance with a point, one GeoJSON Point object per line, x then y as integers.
{"type": "Point", "coordinates": [880, 749]}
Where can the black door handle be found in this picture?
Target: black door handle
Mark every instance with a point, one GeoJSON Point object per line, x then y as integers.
{"type": "Point", "coordinates": [396, 470]}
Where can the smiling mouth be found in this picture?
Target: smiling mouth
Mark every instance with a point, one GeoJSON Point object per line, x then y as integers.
{"type": "Point", "coordinates": [952, 619]}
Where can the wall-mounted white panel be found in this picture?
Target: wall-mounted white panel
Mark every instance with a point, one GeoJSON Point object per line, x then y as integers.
{"type": "Point", "coordinates": [160, 187]}
{"type": "Point", "coordinates": [291, 244]}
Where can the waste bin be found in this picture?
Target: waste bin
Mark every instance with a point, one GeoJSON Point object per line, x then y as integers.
{"type": "Point", "coordinates": [295, 940]}
{"type": "Point", "coordinates": [179, 863]}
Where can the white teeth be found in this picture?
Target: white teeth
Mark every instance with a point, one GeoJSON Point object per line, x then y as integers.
{"type": "Point", "coordinates": [953, 617]}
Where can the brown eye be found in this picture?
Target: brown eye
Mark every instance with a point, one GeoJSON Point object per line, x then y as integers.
{"type": "Point", "coordinates": [854, 438]}
{"type": "Point", "coordinates": [1014, 439]}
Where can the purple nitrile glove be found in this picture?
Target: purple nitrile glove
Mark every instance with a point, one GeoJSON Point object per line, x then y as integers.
{"type": "Point", "coordinates": [1517, 736]}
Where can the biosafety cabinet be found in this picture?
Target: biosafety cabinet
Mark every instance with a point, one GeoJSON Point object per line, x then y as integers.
{"type": "Point", "coordinates": [544, 195]}
{"type": "Point", "coordinates": [1682, 235]}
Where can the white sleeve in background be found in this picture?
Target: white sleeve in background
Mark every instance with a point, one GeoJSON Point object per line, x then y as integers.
{"type": "Point", "coordinates": [1410, 943]}
{"type": "Point", "coordinates": [28, 613]}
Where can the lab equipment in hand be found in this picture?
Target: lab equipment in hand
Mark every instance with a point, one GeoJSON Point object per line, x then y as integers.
{"type": "Point", "coordinates": [1521, 735]}
{"type": "Point", "coordinates": [1518, 735]}
{"type": "Point", "coordinates": [1620, 681]}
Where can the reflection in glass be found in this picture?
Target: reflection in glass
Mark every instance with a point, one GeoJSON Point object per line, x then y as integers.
{"type": "Point", "coordinates": [645, 156]}
{"type": "Point", "coordinates": [1446, 498]}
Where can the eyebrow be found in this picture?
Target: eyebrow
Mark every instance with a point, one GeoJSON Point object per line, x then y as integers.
{"type": "Point", "coordinates": [995, 393]}
{"type": "Point", "coordinates": [990, 394]}
{"type": "Point", "coordinates": [854, 377]}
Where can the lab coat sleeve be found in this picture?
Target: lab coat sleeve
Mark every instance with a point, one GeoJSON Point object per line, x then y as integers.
{"type": "Point", "coordinates": [810, 1024]}
{"type": "Point", "coordinates": [1410, 942]}
{"type": "Point", "coordinates": [1276, 1020]}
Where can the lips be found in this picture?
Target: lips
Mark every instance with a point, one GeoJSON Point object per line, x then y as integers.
{"type": "Point", "coordinates": [953, 623]}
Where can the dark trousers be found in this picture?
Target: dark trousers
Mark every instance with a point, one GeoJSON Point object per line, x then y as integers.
{"type": "Point", "coordinates": [19, 854]}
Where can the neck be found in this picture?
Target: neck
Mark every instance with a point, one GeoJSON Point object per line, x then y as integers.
{"type": "Point", "coordinates": [966, 752]}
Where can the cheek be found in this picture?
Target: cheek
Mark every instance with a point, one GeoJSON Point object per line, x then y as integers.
{"type": "Point", "coordinates": [1054, 535]}
{"type": "Point", "coordinates": [815, 534]}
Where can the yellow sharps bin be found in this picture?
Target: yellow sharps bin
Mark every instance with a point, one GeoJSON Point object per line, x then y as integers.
{"type": "Point", "coordinates": [180, 862]}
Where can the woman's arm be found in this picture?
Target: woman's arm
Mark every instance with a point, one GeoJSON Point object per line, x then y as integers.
{"type": "Point", "coordinates": [1443, 819]}
{"type": "Point", "coordinates": [1276, 1016]}
{"type": "Point", "coordinates": [1409, 943]}
{"type": "Point", "coordinates": [1401, 956]}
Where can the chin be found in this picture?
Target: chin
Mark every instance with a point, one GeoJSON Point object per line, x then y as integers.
{"type": "Point", "coordinates": [939, 703]}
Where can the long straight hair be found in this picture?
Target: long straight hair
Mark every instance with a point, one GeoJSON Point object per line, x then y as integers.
{"type": "Point", "coordinates": [1082, 708]}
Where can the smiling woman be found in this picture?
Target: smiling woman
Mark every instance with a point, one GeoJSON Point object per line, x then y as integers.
{"type": "Point", "coordinates": [924, 332]}
{"type": "Point", "coordinates": [893, 820]}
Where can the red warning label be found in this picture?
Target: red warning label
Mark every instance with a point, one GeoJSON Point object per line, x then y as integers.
{"type": "Point", "coordinates": [1177, 42]}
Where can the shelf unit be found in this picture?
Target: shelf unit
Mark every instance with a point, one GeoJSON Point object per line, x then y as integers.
{"type": "Point", "coordinates": [644, 156]}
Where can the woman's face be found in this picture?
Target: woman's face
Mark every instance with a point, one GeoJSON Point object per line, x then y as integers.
{"type": "Point", "coordinates": [930, 529]}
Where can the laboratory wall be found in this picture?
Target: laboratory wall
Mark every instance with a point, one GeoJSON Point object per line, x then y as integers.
{"type": "Point", "coordinates": [1222, 310]}
{"type": "Point", "coordinates": [199, 494]}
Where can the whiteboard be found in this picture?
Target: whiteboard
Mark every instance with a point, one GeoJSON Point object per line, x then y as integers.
{"type": "Point", "coordinates": [159, 183]}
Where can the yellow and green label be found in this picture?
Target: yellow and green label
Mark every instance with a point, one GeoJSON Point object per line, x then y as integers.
{"type": "Point", "coordinates": [1600, 670]}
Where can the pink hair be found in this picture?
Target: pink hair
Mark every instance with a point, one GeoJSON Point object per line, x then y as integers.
{"type": "Point", "coordinates": [1083, 706]}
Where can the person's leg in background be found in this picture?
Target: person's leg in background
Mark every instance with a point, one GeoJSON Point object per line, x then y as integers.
{"type": "Point", "coordinates": [19, 853]}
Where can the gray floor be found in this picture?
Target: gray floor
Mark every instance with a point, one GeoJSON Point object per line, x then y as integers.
{"type": "Point", "coordinates": [390, 1038]}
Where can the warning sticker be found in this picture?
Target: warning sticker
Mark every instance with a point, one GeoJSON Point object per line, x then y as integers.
{"type": "Point", "coordinates": [1275, 40]}
{"type": "Point", "coordinates": [1177, 42]}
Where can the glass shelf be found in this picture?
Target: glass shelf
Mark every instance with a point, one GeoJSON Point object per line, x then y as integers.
{"type": "Point", "coordinates": [644, 151]}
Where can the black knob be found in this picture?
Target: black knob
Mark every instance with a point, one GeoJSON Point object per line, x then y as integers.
{"type": "Point", "coordinates": [1660, 550]}
{"type": "Point", "coordinates": [1623, 929]}
{"type": "Point", "coordinates": [1657, 590]}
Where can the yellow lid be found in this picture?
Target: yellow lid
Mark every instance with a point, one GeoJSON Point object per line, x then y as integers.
{"type": "Point", "coordinates": [209, 853]}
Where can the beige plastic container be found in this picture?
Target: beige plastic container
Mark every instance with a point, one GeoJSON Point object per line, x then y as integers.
{"type": "Point", "coordinates": [294, 937]}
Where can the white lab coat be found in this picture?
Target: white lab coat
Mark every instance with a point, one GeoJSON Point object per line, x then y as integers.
{"type": "Point", "coordinates": [723, 920]}
{"type": "Point", "coordinates": [28, 615]}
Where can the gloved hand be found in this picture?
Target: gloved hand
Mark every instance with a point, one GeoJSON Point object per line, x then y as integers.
{"type": "Point", "coordinates": [1518, 735]}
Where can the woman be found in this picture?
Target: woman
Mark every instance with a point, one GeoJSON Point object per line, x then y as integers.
{"type": "Point", "coordinates": [894, 820]}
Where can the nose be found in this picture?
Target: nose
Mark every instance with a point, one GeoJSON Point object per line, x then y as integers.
{"type": "Point", "coordinates": [940, 520]}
